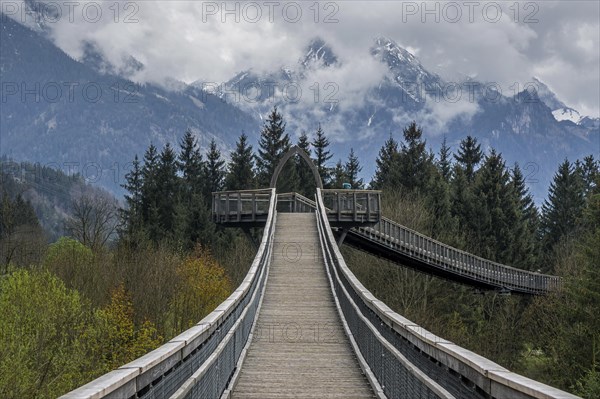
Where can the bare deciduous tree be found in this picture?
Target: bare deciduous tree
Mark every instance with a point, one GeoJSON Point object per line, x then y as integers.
{"type": "Point", "coordinates": [94, 219]}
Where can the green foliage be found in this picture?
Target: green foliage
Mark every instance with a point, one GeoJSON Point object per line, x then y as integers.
{"type": "Point", "coordinates": [75, 264]}
{"type": "Point", "coordinates": [21, 235]}
{"type": "Point", "coordinates": [215, 170]}
{"type": "Point", "coordinates": [351, 170]}
{"type": "Point", "coordinates": [240, 174]}
{"type": "Point", "coordinates": [132, 215]}
{"type": "Point", "coordinates": [338, 175]}
{"type": "Point", "coordinates": [444, 164]}
{"type": "Point", "coordinates": [562, 210]}
{"type": "Point", "coordinates": [273, 144]}
{"type": "Point", "coordinates": [306, 181]}
{"type": "Point", "coordinates": [494, 216]}
{"type": "Point", "coordinates": [385, 163]}
{"type": "Point", "coordinates": [322, 156]}
{"type": "Point", "coordinates": [113, 340]}
{"type": "Point", "coordinates": [202, 286]}
{"type": "Point", "coordinates": [588, 387]}
{"type": "Point", "coordinates": [40, 325]}
{"type": "Point", "coordinates": [415, 165]}
{"type": "Point", "coordinates": [469, 156]}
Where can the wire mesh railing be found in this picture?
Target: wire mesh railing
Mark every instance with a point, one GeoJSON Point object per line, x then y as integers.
{"type": "Point", "coordinates": [406, 360]}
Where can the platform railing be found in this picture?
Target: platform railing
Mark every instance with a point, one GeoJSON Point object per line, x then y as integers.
{"type": "Point", "coordinates": [241, 206]}
{"type": "Point", "coordinates": [353, 206]}
{"type": "Point", "coordinates": [294, 202]}
{"type": "Point", "coordinates": [402, 359]}
{"type": "Point", "coordinates": [201, 361]}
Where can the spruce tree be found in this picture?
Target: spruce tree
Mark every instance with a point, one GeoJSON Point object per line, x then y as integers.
{"type": "Point", "coordinates": [192, 212]}
{"type": "Point", "coordinates": [444, 164]}
{"type": "Point", "coordinates": [563, 208]}
{"type": "Point", "coordinates": [462, 202]}
{"type": "Point", "coordinates": [385, 163]}
{"type": "Point", "coordinates": [525, 227]}
{"type": "Point", "coordinates": [589, 169]}
{"type": "Point", "coordinates": [414, 163]}
{"type": "Point", "coordinates": [495, 211]}
{"type": "Point", "coordinates": [240, 174]}
{"type": "Point", "coordinates": [191, 166]}
{"type": "Point", "coordinates": [322, 156]}
{"type": "Point", "coordinates": [131, 215]}
{"type": "Point", "coordinates": [215, 170]}
{"type": "Point", "coordinates": [273, 144]}
{"type": "Point", "coordinates": [469, 156]}
{"type": "Point", "coordinates": [437, 195]}
{"type": "Point", "coordinates": [351, 170]}
{"type": "Point", "coordinates": [338, 175]}
{"type": "Point", "coordinates": [306, 181]}
{"type": "Point", "coordinates": [167, 191]}
{"type": "Point", "coordinates": [150, 186]}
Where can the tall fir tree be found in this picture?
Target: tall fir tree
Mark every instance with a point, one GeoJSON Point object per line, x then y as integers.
{"type": "Point", "coordinates": [495, 211]}
{"type": "Point", "coordinates": [306, 181]}
{"type": "Point", "coordinates": [352, 169]}
{"type": "Point", "coordinates": [414, 163]}
{"type": "Point", "coordinates": [562, 210]}
{"type": "Point", "coordinates": [168, 190]}
{"type": "Point", "coordinates": [215, 170]}
{"type": "Point", "coordinates": [192, 216]}
{"type": "Point", "coordinates": [191, 166]}
{"type": "Point", "coordinates": [322, 155]}
{"type": "Point", "coordinates": [338, 175]}
{"type": "Point", "coordinates": [469, 156]}
{"type": "Point", "coordinates": [525, 251]}
{"type": "Point", "coordinates": [444, 163]}
{"type": "Point", "coordinates": [273, 144]}
{"type": "Point", "coordinates": [385, 163]}
{"type": "Point", "coordinates": [131, 215]}
{"type": "Point", "coordinates": [589, 169]}
{"type": "Point", "coordinates": [150, 188]}
{"type": "Point", "coordinates": [437, 195]}
{"type": "Point", "coordinates": [240, 174]}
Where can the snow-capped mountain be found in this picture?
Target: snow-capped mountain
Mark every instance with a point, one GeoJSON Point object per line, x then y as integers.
{"type": "Point", "coordinates": [533, 128]}
{"type": "Point", "coordinates": [393, 89]}
{"type": "Point", "coordinates": [560, 110]}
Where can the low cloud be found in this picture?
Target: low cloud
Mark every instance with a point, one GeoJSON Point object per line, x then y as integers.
{"type": "Point", "coordinates": [503, 42]}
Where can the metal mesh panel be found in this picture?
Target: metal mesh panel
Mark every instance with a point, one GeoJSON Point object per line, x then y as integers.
{"type": "Point", "coordinates": [215, 380]}
{"type": "Point", "coordinates": [396, 380]}
{"type": "Point", "coordinates": [217, 376]}
{"type": "Point", "coordinates": [450, 381]}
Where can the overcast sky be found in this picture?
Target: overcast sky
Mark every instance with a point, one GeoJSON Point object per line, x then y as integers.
{"type": "Point", "coordinates": [503, 42]}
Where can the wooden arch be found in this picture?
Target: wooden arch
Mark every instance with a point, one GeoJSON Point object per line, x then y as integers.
{"type": "Point", "coordinates": [293, 151]}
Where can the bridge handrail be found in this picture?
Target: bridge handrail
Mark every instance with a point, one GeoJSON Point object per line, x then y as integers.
{"type": "Point", "coordinates": [172, 364]}
{"type": "Point", "coordinates": [517, 277]}
{"type": "Point", "coordinates": [371, 347]}
{"type": "Point", "coordinates": [490, 378]}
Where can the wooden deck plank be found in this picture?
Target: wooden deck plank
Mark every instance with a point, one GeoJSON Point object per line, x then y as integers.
{"type": "Point", "coordinates": [300, 349]}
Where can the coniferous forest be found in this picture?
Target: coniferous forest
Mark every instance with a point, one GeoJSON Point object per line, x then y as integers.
{"type": "Point", "coordinates": [126, 278]}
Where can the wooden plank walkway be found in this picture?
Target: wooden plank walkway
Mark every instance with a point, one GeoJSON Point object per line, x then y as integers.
{"type": "Point", "coordinates": [299, 349]}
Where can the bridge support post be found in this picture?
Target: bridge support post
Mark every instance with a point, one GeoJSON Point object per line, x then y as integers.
{"type": "Point", "coordinates": [342, 236]}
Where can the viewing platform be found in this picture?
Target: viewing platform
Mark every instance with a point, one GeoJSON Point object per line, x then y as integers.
{"type": "Point", "coordinates": [250, 208]}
